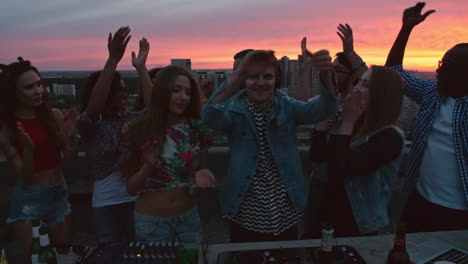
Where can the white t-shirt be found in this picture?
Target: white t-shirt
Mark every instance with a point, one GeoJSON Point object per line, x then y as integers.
{"type": "Point", "coordinates": [112, 190]}
{"type": "Point", "coordinates": [440, 181]}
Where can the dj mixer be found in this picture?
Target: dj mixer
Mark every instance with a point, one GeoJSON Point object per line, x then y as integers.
{"type": "Point", "coordinates": [138, 253]}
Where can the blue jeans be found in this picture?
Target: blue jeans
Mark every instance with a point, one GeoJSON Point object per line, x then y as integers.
{"type": "Point", "coordinates": [115, 223]}
{"type": "Point", "coordinates": [185, 228]}
{"type": "Point", "coordinates": [37, 202]}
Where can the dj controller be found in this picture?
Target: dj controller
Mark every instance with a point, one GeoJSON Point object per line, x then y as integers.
{"type": "Point", "coordinates": [139, 253]}
{"type": "Point", "coordinates": [341, 254]}
{"type": "Point", "coordinates": [174, 253]}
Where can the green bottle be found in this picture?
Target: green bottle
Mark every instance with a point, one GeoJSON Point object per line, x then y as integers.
{"type": "Point", "coordinates": [36, 246]}
{"type": "Point", "coordinates": [47, 254]}
{"type": "Point", "coordinates": [3, 258]}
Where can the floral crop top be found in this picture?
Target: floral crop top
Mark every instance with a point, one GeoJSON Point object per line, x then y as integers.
{"type": "Point", "coordinates": [180, 155]}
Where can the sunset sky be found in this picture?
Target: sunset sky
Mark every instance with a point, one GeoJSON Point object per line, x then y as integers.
{"type": "Point", "coordinates": [72, 34]}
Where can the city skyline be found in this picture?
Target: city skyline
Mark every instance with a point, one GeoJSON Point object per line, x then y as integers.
{"type": "Point", "coordinates": [71, 35]}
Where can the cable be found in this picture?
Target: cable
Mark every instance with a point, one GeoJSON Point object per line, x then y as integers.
{"type": "Point", "coordinates": [204, 252]}
{"type": "Point", "coordinates": [81, 258]}
{"type": "Point", "coordinates": [179, 240]}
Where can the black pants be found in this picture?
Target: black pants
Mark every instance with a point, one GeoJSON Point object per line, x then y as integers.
{"type": "Point", "coordinates": [239, 234]}
{"type": "Point", "coordinates": [424, 216]}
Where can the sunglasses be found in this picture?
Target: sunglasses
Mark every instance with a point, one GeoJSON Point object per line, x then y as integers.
{"type": "Point", "coordinates": [445, 64]}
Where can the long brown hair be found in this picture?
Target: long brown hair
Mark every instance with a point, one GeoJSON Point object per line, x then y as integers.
{"type": "Point", "coordinates": [9, 103]}
{"type": "Point", "coordinates": [386, 100]}
{"type": "Point", "coordinates": [154, 122]}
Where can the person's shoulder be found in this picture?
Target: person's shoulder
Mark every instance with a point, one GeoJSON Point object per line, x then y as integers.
{"type": "Point", "coordinates": [388, 135]}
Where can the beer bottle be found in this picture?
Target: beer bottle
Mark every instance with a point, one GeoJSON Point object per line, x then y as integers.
{"type": "Point", "coordinates": [47, 254]}
{"type": "Point", "coordinates": [36, 246]}
{"type": "Point", "coordinates": [325, 254]}
{"type": "Point", "coordinates": [266, 257]}
{"type": "Point", "coordinates": [3, 258]}
{"type": "Point", "coordinates": [398, 254]}
{"type": "Point", "coordinates": [272, 260]}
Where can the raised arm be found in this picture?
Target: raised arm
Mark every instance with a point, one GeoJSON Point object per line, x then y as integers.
{"type": "Point", "coordinates": [415, 88]}
{"type": "Point", "coordinates": [116, 45]}
{"type": "Point", "coordinates": [323, 106]}
{"type": "Point", "coordinates": [322, 61]}
{"type": "Point", "coordinates": [233, 85]}
{"type": "Point", "coordinates": [139, 62]}
{"type": "Point", "coordinates": [216, 113]}
{"type": "Point", "coordinates": [345, 32]}
{"type": "Point", "coordinates": [411, 17]}
{"type": "Point", "coordinates": [305, 74]}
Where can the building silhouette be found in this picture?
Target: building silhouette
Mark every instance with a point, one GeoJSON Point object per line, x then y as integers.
{"type": "Point", "coordinates": [183, 63]}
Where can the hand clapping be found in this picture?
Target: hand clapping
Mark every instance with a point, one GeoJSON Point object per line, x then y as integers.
{"type": "Point", "coordinates": [118, 43]}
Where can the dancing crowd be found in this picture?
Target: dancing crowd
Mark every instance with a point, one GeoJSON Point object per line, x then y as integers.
{"type": "Point", "coordinates": [149, 161]}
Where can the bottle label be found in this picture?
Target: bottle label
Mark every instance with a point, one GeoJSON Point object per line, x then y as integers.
{"type": "Point", "coordinates": [35, 232]}
{"type": "Point", "coordinates": [44, 240]}
{"type": "Point", "coordinates": [327, 236]}
{"type": "Point", "coordinates": [35, 258]}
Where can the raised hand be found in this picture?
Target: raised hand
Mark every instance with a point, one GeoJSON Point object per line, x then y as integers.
{"type": "Point", "coordinates": [118, 43]}
{"type": "Point", "coordinates": [236, 79]}
{"type": "Point", "coordinates": [321, 60]}
{"type": "Point", "coordinates": [305, 55]}
{"type": "Point", "coordinates": [69, 120]}
{"type": "Point", "coordinates": [346, 35]}
{"type": "Point", "coordinates": [140, 60]}
{"type": "Point", "coordinates": [204, 179]}
{"type": "Point", "coordinates": [412, 16]}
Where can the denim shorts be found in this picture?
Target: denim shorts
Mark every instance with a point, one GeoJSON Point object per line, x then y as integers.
{"type": "Point", "coordinates": [46, 203]}
{"type": "Point", "coordinates": [185, 228]}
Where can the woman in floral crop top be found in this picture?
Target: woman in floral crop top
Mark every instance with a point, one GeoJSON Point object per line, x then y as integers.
{"type": "Point", "coordinates": [164, 156]}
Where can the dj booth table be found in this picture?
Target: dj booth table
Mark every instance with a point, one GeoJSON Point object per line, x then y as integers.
{"type": "Point", "coordinates": [373, 249]}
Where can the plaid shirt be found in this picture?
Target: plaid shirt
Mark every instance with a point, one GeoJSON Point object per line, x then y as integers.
{"type": "Point", "coordinates": [425, 93]}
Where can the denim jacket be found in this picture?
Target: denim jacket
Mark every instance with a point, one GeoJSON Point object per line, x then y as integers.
{"type": "Point", "coordinates": [232, 117]}
{"type": "Point", "coordinates": [370, 195]}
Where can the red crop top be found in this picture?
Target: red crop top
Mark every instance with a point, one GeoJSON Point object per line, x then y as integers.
{"type": "Point", "coordinates": [46, 153]}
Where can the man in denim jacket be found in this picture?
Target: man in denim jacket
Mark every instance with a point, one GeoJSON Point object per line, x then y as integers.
{"type": "Point", "coordinates": [265, 192]}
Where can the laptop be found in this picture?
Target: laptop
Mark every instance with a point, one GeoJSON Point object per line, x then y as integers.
{"type": "Point", "coordinates": [437, 251]}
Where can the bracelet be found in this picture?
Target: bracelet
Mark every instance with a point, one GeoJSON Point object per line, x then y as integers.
{"type": "Point", "coordinates": [11, 156]}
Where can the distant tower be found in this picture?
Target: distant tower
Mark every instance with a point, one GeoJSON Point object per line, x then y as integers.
{"type": "Point", "coordinates": [284, 62]}
{"type": "Point", "coordinates": [200, 75]}
{"type": "Point", "coordinates": [184, 63]}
